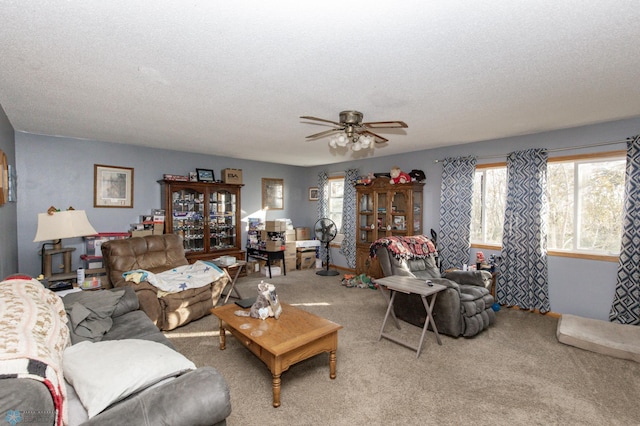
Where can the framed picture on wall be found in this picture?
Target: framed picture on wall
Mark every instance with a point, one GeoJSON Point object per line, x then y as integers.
{"type": "Point", "coordinates": [272, 194]}
{"type": "Point", "coordinates": [112, 186]}
{"type": "Point", "coordinates": [313, 193]}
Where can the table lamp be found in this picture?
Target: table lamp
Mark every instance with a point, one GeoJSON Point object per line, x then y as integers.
{"type": "Point", "coordinates": [56, 225]}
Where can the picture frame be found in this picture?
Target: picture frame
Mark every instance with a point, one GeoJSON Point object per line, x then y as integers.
{"type": "Point", "coordinates": [313, 193]}
{"type": "Point", "coordinates": [205, 175]}
{"type": "Point", "coordinates": [112, 186]}
{"type": "Point", "coordinates": [272, 194]}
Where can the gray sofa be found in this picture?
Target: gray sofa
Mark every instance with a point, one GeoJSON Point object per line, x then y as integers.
{"type": "Point", "coordinates": [195, 397]}
{"type": "Point", "coordinates": [463, 309]}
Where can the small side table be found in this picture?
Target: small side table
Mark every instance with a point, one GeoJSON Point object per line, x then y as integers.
{"type": "Point", "coordinates": [409, 285]}
{"type": "Point", "coordinates": [268, 256]}
{"type": "Point", "coordinates": [238, 265]}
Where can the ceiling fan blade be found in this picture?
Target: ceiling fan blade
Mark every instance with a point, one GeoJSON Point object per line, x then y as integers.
{"type": "Point", "coordinates": [306, 117]}
{"type": "Point", "coordinates": [385, 125]}
{"type": "Point", "coordinates": [326, 132]}
{"type": "Point", "coordinates": [377, 138]}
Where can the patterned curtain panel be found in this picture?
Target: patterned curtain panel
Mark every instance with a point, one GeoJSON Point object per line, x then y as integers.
{"type": "Point", "coordinates": [625, 308]}
{"type": "Point", "coordinates": [455, 211]}
{"type": "Point", "coordinates": [522, 279]}
{"type": "Point", "coordinates": [323, 205]}
{"type": "Point", "coordinates": [348, 248]}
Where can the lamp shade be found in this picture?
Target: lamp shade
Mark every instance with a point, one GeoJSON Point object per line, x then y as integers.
{"type": "Point", "coordinates": [63, 224]}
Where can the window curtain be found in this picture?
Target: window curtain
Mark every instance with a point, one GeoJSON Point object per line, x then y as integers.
{"type": "Point", "coordinates": [455, 211]}
{"type": "Point", "coordinates": [523, 279]}
{"type": "Point", "coordinates": [348, 247]}
{"type": "Point", "coordinates": [625, 308]}
{"type": "Point", "coordinates": [323, 206]}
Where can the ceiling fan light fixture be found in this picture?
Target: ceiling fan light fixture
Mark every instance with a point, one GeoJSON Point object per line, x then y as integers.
{"type": "Point", "coordinates": [366, 141]}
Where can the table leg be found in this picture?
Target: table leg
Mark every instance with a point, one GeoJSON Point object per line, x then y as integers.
{"type": "Point", "coordinates": [223, 338]}
{"type": "Point", "coordinates": [276, 390]}
{"type": "Point", "coordinates": [429, 308]}
{"type": "Point", "coordinates": [233, 285]}
{"type": "Point", "coordinates": [284, 267]}
{"type": "Point", "coordinates": [389, 309]}
{"type": "Point", "coordinates": [269, 264]}
{"type": "Point", "coordinates": [385, 295]}
{"type": "Point", "coordinates": [332, 364]}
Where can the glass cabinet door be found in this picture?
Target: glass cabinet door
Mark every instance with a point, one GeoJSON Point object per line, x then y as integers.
{"type": "Point", "coordinates": [382, 220]}
{"type": "Point", "coordinates": [188, 218]}
{"type": "Point", "coordinates": [222, 220]}
{"type": "Point", "coordinates": [398, 214]}
{"type": "Point", "coordinates": [366, 218]}
{"type": "Point", "coordinates": [417, 213]}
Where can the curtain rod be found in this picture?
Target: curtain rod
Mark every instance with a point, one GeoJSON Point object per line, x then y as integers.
{"type": "Point", "coordinates": [487, 157]}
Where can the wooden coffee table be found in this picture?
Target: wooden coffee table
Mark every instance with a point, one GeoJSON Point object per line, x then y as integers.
{"type": "Point", "coordinates": [295, 336]}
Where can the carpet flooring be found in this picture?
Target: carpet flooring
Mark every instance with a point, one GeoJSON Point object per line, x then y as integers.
{"type": "Point", "coordinates": [515, 372]}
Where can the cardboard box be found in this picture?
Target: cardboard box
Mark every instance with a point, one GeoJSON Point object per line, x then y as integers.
{"type": "Point", "coordinates": [275, 271]}
{"type": "Point", "coordinates": [307, 243]}
{"type": "Point", "coordinates": [290, 248]}
{"type": "Point", "coordinates": [306, 260]}
{"type": "Point", "coordinates": [275, 226]}
{"type": "Point", "coordinates": [253, 267]}
{"type": "Point", "coordinates": [232, 176]}
{"type": "Point", "coordinates": [276, 245]}
{"type": "Point", "coordinates": [225, 261]}
{"type": "Point", "coordinates": [141, 233]}
{"type": "Point", "coordinates": [303, 233]}
{"type": "Point", "coordinates": [290, 260]}
{"type": "Point", "coordinates": [289, 236]}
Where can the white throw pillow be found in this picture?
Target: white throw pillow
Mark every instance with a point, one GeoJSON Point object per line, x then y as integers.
{"type": "Point", "coordinates": [132, 366]}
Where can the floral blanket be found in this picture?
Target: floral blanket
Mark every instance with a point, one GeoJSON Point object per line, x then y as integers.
{"type": "Point", "coordinates": [34, 336]}
{"type": "Point", "coordinates": [414, 247]}
{"type": "Point", "coordinates": [198, 274]}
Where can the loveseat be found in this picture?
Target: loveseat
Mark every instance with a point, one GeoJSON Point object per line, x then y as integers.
{"type": "Point", "coordinates": [463, 309]}
{"type": "Point", "coordinates": [156, 254]}
{"type": "Point", "coordinates": [119, 368]}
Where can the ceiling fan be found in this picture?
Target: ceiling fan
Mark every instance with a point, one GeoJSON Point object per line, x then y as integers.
{"type": "Point", "coordinates": [350, 128]}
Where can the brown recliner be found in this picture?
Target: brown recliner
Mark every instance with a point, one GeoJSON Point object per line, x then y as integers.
{"type": "Point", "coordinates": [158, 253]}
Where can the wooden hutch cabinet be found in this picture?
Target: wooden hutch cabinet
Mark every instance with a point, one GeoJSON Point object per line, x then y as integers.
{"type": "Point", "coordinates": [206, 216]}
{"type": "Point", "coordinates": [385, 209]}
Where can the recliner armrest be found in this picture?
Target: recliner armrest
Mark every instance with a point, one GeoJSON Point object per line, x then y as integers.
{"type": "Point", "coordinates": [478, 278]}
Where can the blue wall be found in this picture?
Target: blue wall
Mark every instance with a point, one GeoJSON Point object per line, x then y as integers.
{"type": "Point", "coordinates": [59, 171]}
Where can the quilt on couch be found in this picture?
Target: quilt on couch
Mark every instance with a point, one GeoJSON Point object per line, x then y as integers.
{"type": "Point", "coordinates": [174, 280]}
{"type": "Point", "coordinates": [34, 336]}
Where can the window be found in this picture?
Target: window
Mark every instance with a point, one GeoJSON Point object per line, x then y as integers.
{"type": "Point", "coordinates": [586, 196]}
{"type": "Point", "coordinates": [489, 197]}
{"type": "Point", "coordinates": [336, 192]}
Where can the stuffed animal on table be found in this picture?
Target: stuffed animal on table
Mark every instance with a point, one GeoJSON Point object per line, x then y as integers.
{"type": "Point", "coordinates": [267, 303]}
{"type": "Point", "coordinates": [398, 176]}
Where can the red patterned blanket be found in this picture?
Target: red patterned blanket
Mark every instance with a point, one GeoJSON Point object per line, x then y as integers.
{"type": "Point", "coordinates": [34, 335]}
{"type": "Point", "coordinates": [413, 247]}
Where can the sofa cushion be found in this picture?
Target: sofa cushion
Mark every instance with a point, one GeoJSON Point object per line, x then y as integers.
{"type": "Point", "coordinates": [90, 313]}
{"type": "Point", "coordinates": [135, 325]}
{"type": "Point", "coordinates": [140, 364]}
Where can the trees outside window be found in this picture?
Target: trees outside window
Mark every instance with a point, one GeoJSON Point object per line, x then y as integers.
{"type": "Point", "coordinates": [586, 196]}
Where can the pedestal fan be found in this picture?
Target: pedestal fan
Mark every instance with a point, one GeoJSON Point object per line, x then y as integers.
{"type": "Point", "coordinates": [325, 230]}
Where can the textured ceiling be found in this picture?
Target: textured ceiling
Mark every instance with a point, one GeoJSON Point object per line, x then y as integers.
{"type": "Point", "coordinates": [231, 78]}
